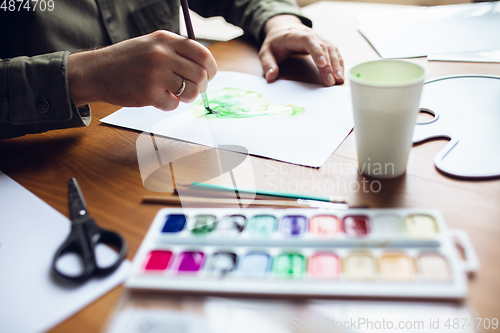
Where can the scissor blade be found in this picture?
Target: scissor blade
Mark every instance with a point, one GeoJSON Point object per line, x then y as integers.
{"type": "Point", "coordinates": [77, 205]}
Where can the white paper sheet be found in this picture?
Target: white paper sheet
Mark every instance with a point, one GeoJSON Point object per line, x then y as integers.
{"type": "Point", "coordinates": [306, 139]}
{"type": "Point", "coordinates": [30, 233]}
{"type": "Point", "coordinates": [212, 28]}
{"type": "Point", "coordinates": [231, 315]}
{"type": "Point", "coordinates": [415, 32]}
{"type": "Point", "coordinates": [158, 321]}
{"type": "Point", "coordinates": [480, 56]}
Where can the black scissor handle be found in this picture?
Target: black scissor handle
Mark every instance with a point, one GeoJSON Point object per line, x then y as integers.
{"type": "Point", "coordinates": [82, 241]}
{"type": "Point", "coordinates": [113, 240]}
{"type": "Point", "coordinates": [77, 243]}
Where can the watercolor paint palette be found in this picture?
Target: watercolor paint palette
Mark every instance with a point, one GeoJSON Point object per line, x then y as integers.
{"type": "Point", "coordinates": [386, 253]}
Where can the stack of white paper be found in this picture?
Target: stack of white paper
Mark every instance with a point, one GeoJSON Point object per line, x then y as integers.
{"type": "Point", "coordinates": [465, 32]}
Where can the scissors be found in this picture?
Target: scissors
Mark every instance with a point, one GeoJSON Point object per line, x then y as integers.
{"type": "Point", "coordinates": [83, 239]}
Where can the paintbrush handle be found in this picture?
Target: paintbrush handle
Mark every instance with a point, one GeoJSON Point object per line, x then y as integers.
{"type": "Point", "coordinates": [204, 202]}
{"type": "Point", "coordinates": [268, 194]}
{"type": "Point", "coordinates": [190, 33]}
{"type": "Point", "coordinates": [204, 98]}
{"type": "Point", "coordinates": [187, 19]}
{"type": "Point", "coordinates": [225, 195]}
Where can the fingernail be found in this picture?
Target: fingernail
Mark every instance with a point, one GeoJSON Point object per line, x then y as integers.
{"type": "Point", "coordinates": [322, 61]}
{"type": "Point", "coordinates": [330, 78]}
{"type": "Point", "coordinates": [339, 76]}
{"type": "Point", "coordinates": [269, 71]}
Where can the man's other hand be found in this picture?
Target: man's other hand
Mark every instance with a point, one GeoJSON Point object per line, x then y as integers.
{"type": "Point", "coordinates": [285, 34]}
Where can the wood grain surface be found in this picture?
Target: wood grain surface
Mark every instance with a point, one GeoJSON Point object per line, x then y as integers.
{"type": "Point", "coordinates": [104, 161]}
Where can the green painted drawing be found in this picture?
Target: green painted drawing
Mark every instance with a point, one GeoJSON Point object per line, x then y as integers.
{"type": "Point", "coordinates": [239, 103]}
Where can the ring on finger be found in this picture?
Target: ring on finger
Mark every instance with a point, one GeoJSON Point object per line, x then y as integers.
{"type": "Point", "coordinates": [181, 89]}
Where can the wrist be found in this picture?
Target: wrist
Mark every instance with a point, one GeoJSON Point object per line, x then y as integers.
{"type": "Point", "coordinates": [79, 77]}
{"type": "Point", "coordinates": [282, 21]}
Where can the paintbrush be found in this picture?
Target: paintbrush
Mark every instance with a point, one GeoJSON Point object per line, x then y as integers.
{"type": "Point", "coordinates": [201, 194]}
{"type": "Point", "coordinates": [190, 33]}
{"type": "Point", "coordinates": [207, 190]}
{"type": "Point", "coordinates": [224, 202]}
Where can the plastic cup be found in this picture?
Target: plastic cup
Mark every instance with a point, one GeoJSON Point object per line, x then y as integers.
{"type": "Point", "coordinates": [385, 98]}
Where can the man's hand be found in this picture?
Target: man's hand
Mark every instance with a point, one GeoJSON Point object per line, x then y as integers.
{"type": "Point", "coordinates": [285, 34]}
{"type": "Point", "coordinates": [142, 71]}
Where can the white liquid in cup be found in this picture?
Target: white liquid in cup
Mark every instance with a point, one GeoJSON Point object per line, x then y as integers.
{"type": "Point", "coordinates": [385, 97]}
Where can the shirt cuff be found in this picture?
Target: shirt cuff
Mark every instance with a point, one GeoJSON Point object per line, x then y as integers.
{"type": "Point", "coordinates": [39, 98]}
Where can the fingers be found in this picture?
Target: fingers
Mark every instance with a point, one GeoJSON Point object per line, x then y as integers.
{"type": "Point", "coordinates": [185, 59]}
{"type": "Point", "coordinates": [190, 93]}
{"type": "Point", "coordinates": [337, 64]}
{"type": "Point", "coordinates": [305, 40]}
{"type": "Point", "coordinates": [316, 48]}
{"type": "Point", "coordinates": [198, 54]}
{"type": "Point", "coordinates": [185, 48]}
{"type": "Point", "coordinates": [165, 101]}
{"type": "Point", "coordinates": [333, 73]}
{"type": "Point", "coordinates": [325, 72]}
{"type": "Point", "coordinates": [168, 99]}
{"type": "Point", "coordinates": [195, 75]}
{"type": "Point", "coordinates": [328, 60]}
{"type": "Point", "coordinates": [269, 64]}
{"type": "Point", "coordinates": [279, 43]}
{"type": "Point", "coordinates": [197, 65]}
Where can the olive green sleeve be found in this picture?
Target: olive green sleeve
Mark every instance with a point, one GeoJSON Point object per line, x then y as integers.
{"type": "Point", "coordinates": [34, 96]}
{"type": "Point", "coordinates": [250, 15]}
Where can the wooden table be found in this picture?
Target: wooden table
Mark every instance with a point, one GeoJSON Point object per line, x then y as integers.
{"type": "Point", "coordinates": [104, 160]}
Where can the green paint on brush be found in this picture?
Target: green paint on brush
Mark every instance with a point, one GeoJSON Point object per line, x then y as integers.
{"type": "Point", "coordinates": [239, 103]}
